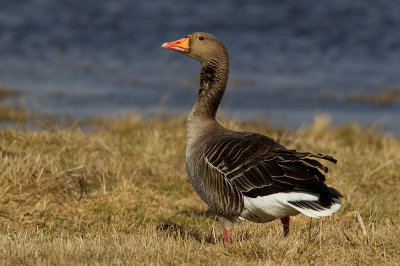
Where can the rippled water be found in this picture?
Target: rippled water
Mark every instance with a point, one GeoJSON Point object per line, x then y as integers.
{"type": "Point", "coordinates": [290, 60]}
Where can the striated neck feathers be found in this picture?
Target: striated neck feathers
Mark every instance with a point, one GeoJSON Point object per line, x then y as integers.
{"type": "Point", "coordinates": [213, 79]}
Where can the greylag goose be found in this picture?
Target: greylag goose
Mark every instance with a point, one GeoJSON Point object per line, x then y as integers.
{"type": "Point", "coordinates": [244, 175]}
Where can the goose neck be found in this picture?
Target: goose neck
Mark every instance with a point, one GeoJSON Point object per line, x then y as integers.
{"type": "Point", "coordinates": [213, 79]}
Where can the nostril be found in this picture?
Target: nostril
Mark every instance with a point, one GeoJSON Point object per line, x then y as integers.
{"type": "Point", "coordinates": [178, 42]}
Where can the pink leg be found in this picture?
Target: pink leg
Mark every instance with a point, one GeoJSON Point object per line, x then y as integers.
{"type": "Point", "coordinates": [227, 236]}
{"type": "Point", "coordinates": [285, 222]}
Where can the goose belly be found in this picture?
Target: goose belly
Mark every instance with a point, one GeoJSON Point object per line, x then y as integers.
{"type": "Point", "coordinates": [268, 208]}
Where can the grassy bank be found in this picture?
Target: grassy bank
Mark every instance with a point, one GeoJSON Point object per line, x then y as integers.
{"type": "Point", "coordinates": [119, 194]}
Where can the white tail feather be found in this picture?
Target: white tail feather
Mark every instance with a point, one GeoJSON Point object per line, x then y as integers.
{"type": "Point", "coordinates": [268, 208]}
{"type": "Point", "coordinates": [319, 213]}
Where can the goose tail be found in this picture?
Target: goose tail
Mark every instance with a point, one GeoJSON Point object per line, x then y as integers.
{"type": "Point", "coordinates": [316, 208]}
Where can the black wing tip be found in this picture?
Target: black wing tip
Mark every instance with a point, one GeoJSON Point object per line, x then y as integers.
{"type": "Point", "coordinates": [327, 157]}
{"type": "Point", "coordinates": [334, 193]}
{"type": "Point", "coordinates": [330, 158]}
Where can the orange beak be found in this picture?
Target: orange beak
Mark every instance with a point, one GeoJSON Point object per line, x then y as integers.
{"type": "Point", "coordinates": [181, 45]}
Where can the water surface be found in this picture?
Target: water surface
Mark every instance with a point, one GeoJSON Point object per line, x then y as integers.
{"type": "Point", "coordinates": [290, 60]}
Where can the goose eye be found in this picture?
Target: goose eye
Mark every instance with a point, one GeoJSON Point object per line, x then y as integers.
{"type": "Point", "coordinates": [201, 38]}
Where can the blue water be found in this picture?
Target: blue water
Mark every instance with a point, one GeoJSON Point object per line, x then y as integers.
{"type": "Point", "coordinates": [290, 60]}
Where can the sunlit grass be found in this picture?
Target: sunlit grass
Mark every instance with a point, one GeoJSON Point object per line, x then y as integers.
{"type": "Point", "coordinates": [119, 194]}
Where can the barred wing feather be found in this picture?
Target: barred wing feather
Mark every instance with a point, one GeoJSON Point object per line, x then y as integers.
{"type": "Point", "coordinates": [259, 166]}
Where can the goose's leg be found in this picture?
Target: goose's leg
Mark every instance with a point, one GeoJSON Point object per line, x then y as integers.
{"type": "Point", "coordinates": [227, 236]}
{"type": "Point", "coordinates": [285, 222]}
{"type": "Point", "coordinates": [227, 226]}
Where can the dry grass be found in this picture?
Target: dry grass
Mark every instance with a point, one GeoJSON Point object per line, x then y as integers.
{"type": "Point", "coordinates": [8, 113]}
{"type": "Point", "coordinates": [7, 92]}
{"type": "Point", "coordinates": [385, 96]}
{"type": "Point", "coordinates": [119, 194]}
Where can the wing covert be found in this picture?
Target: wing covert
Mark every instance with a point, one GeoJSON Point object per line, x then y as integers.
{"type": "Point", "coordinates": [259, 166]}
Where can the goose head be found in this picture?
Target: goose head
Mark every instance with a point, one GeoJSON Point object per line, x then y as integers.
{"type": "Point", "coordinates": [200, 46]}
